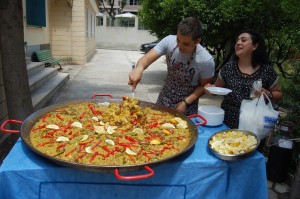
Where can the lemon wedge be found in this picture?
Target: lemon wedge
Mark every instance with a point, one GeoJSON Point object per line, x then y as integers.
{"type": "Point", "coordinates": [179, 120]}
{"type": "Point", "coordinates": [110, 129]}
{"type": "Point", "coordinates": [85, 137]}
{"type": "Point", "coordinates": [110, 142]}
{"type": "Point", "coordinates": [155, 142]}
{"type": "Point", "coordinates": [52, 126]}
{"type": "Point", "coordinates": [99, 129]}
{"type": "Point", "coordinates": [129, 152]}
{"type": "Point", "coordinates": [77, 124]}
{"type": "Point", "coordinates": [95, 118]}
{"type": "Point", "coordinates": [88, 149]}
{"type": "Point", "coordinates": [137, 130]}
{"type": "Point", "coordinates": [181, 126]}
{"type": "Point", "coordinates": [62, 139]}
{"type": "Point", "coordinates": [168, 126]}
{"type": "Point", "coordinates": [103, 104]}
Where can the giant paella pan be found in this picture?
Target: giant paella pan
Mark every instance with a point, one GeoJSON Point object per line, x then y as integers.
{"type": "Point", "coordinates": [108, 135]}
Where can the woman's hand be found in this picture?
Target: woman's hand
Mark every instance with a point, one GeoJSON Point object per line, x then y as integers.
{"type": "Point", "coordinates": [205, 88]}
{"type": "Point", "coordinates": [265, 91]}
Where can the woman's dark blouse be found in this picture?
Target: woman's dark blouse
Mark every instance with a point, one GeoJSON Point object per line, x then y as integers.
{"type": "Point", "coordinates": [241, 85]}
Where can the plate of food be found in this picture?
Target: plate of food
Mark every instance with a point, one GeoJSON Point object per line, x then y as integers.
{"type": "Point", "coordinates": [233, 144]}
{"type": "Point", "coordinates": [218, 90]}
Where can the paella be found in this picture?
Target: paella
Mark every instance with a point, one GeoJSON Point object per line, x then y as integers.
{"type": "Point", "coordinates": [109, 133]}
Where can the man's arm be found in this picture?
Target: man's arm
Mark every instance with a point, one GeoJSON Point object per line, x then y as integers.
{"type": "Point", "coordinates": [135, 75]}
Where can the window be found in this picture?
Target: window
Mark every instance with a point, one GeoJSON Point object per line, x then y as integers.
{"type": "Point", "coordinates": [36, 13]}
{"type": "Point", "coordinates": [120, 22]}
{"type": "Point", "coordinates": [134, 2]}
{"type": "Point", "coordinates": [99, 21]}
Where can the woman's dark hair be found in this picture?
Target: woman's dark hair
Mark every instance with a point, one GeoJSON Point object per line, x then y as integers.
{"type": "Point", "coordinates": [259, 55]}
{"type": "Point", "coordinates": [191, 26]}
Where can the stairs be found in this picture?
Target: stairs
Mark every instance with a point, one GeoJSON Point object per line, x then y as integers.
{"type": "Point", "coordinates": [44, 82]}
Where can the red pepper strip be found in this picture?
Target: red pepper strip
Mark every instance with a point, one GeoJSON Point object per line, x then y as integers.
{"type": "Point", "coordinates": [74, 135]}
{"type": "Point", "coordinates": [105, 148]}
{"type": "Point", "coordinates": [148, 157]}
{"type": "Point", "coordinates": [97, 143]}
{"type": "Point", "coordinates": [59, 117]}
{"type": "Point", "coordinates": [90, 127]}
{"type": "Point", "coordinates": [130, 139]}
{"type": "Point", "coordinates": [81, 148]}
{"type": "Point", "coordinates": [132, 158]}
{"type": "Point", "coordinates": [82, 155]}
{"type": "Point", "coordinates": [45, 143]}
{"type": "Point", "coordinates": [95, 154]}
{"type": "Point", "coordinates": [39, 127]}
{"type": "Point", "coordinates": [140, 151]}
{"type": "Point", "coordinates": [44, 117]}
{"type": "Point", "coordinates": [48, 136]}
{"type": "Point", "coordinates": [124, 144]}
{"type": "Point", "coordinates": [152, 135]}
{"type": "Point", "coordinates": [111, 152]}
{"type": "Point", "coordinates": [180, 137]}
{"type": "Point", "coordinates": [87, 142]}
{"type": "Point", "coordinates": [70, 133]}
{"type": "Point", "coordinates": [135, 122]}
{"type": "Point", "coordinates": [153, 125]}
{"type": "Point", "coordinates": [61, 145]}
{"type": "Point", "coordinates": [70, 152]}
{"type": "Point", "coordinates": [64, 129]}
{"type": "Point", "coordinates": [82, 115]}
{"type": "Point", "coordinates": [148, 138]}
{"type": "Point", "coordinates": [117, 141]}
{"type": "Point", "coordinates": [165, 148]}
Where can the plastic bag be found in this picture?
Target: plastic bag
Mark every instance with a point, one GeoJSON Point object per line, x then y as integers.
{"type": "Point", "coordinates": [257, 116]}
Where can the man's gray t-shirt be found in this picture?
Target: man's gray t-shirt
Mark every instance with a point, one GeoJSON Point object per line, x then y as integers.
{"type": "Point", "coordinates": [201, 66]}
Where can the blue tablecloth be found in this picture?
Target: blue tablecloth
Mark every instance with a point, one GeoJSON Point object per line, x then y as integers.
{"type": "Point", "coordinates": [195, 174]}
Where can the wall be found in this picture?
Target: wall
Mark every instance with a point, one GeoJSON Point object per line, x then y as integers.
{"type": "Point", "coordinates": [35, 36]}
{"type": "Point", "coordinates": [68, 31]}
{"type": "Point", "coordinates": [125, 38]}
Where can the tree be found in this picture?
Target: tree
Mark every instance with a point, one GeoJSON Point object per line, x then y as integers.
{"type": "Point", "coordinates": [223, 19]}
{"type": "Point", "coordinates": [15, 78]}
{"type": "Point", "coordinates": [111, 10]}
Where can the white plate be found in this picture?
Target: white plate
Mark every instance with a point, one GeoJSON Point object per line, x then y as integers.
{"type": "Point", "coordinates": [218, 90]}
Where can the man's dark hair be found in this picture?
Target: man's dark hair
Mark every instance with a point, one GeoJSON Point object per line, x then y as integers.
{"type": "Point", "coordinates": [191, 26]}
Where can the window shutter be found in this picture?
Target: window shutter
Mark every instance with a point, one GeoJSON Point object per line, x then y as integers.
{"type": "Point", "coordinates": [36, 13]}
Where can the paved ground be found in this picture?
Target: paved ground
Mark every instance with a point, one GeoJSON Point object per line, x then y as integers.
{"type": "Point", "coordinates": [108, 71]}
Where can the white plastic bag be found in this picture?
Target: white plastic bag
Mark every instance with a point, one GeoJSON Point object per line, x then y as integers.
{"type": "Point", "coordinates": [257, 116]}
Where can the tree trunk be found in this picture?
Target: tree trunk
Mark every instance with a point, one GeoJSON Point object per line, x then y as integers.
{"type": "Point", "coordinates": [15, 78]}
{"type": "Point", "coordinates": [295, 189]}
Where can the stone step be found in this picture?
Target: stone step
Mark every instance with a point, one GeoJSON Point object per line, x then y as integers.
{"type": "Point", "coordinates": [44, 93]}
{"type": "Point", "coordinates": [35, 67]}
{"type": "Point", "coordinates": [28, 60]}
{"type": "Point", "coordinates": [36, 80]}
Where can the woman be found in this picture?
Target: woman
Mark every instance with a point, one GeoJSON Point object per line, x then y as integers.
{"type": "Point", "coordinates": [249, 64]}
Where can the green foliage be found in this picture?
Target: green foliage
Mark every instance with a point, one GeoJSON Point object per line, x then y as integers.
{"type": "Point", "coordinates": [223, 19]}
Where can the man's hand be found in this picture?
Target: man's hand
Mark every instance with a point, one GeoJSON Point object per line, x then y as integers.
{"type": "Point", "coordinates": [135, 77]}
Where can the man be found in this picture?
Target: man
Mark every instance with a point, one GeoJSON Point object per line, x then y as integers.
{"type": "Point", "coordinates": [190, 67]}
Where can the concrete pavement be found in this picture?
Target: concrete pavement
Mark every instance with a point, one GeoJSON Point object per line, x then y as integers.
{"type": "Point", "coordinates": [108, 71]}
